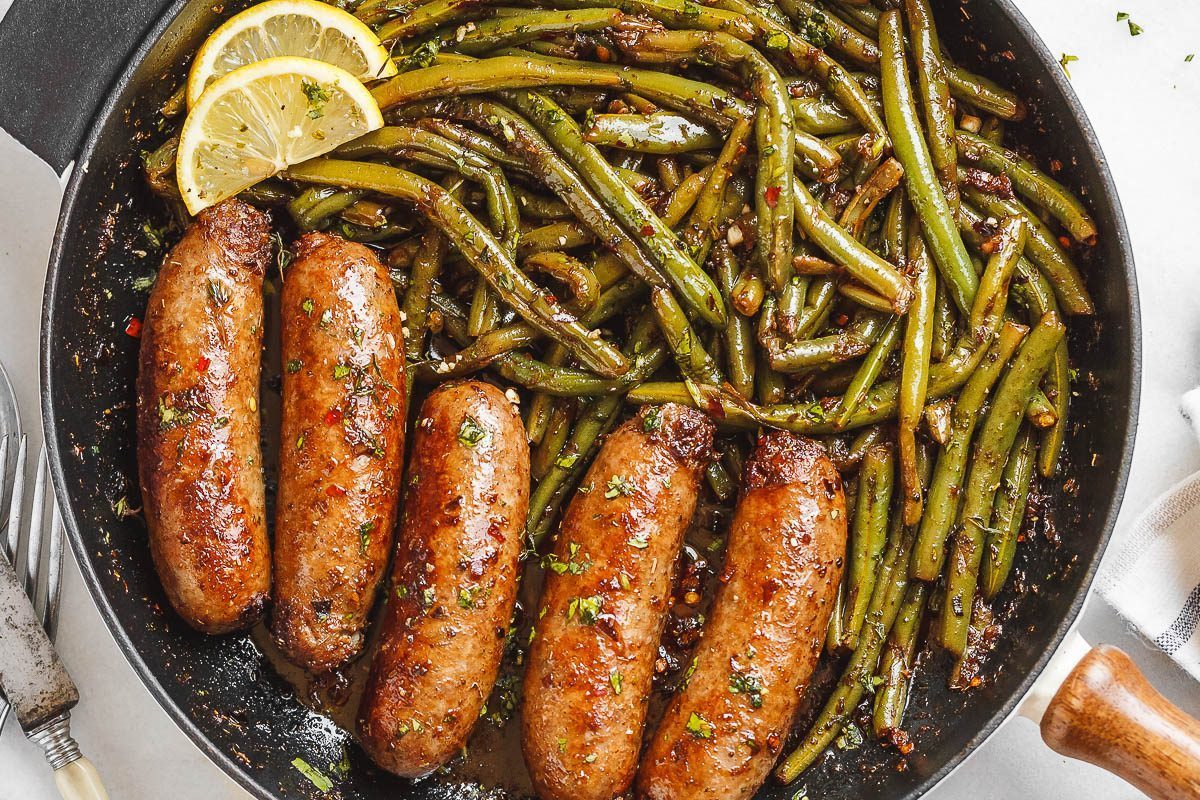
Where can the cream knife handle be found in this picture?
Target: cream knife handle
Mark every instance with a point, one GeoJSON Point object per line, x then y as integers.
{"type": "Point", "coordinates": [78, 780]}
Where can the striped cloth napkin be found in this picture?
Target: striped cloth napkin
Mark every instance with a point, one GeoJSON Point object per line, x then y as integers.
{"type": "Point", "coordinates": [1154, 581]}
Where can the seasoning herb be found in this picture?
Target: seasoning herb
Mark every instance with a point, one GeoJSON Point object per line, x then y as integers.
{"type": "Point", "coordinates": [616, 680]}
{"type": "Point", "coordinates": [315, 776]}
{"type": "Point", "coordinates": [617, 486]}
{"type": "Point", "coordinates": [217, 292]}
{"type": "Point", "coordinates": [747, 684]}
{"type": "Point", "coordinates": [567, 461]}
{"type": "Point", "coordinates": [364, 536]}
{"type": "Point", "coordinates": [641, 541]}
{"type": "Point", "coordinates": [699, 727]}
{"type": "Point", "coordinates": [317, 96]}
{"type": "Point", "coordinates": [652, 420]}
{"type": "Point", "coordinates": [851, 738]}
{"type": "Point", "coordinates": [471, 433]}
{"type": "Point", "coordinates": [293, 366]}
{"type": "Point", "coordinates": [339, 372]}
{"type": "Point", "coordinates": [588, 609]}
{"type": "Point", "coordinates": [1065, 61]}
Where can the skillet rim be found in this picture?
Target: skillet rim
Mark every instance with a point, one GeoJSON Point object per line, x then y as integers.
{"type": "Point", "coordinates": [1090, 144]}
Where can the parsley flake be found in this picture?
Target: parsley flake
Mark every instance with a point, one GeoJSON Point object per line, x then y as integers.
{"type": "Point", "coordinates": [315, 776]}
{"type": "Point", "coordinates": [471, 433]}
{"type": "Point", "coordinates": [616, 487]}
{"type": "Point", "coordinates": [699, 727]}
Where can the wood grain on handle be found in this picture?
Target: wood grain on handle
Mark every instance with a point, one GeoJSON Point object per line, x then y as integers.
{"type": "Point", "coordinates": [1108, 714]}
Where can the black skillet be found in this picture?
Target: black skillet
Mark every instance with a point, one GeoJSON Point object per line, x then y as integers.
{"type": "Point", "coordinates": [94, 102]}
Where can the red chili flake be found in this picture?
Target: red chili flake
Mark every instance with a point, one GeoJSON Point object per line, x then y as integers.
{"type": "Point", "coordinates": [842, 320]}
{"type": "Point", "coordinates": [1064, 241]}
{"type": "Point", "coordinates": [333, 490]}
{"type": "Point", "coordinates": [333, 416]}
{"type": "Point", "coordinates": [202, 363]}
{"type": "Point", "coordinates": [134, 328]}
{"type": "Point", "coordinates": [772, 195]}
{"type": "Point", "coordinates": [647, 230]}
{"type": "Point", "coordinates": [603, 53]}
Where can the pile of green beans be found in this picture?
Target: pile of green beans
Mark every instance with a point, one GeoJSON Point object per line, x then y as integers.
{"type": "Point", "coordinates": [798, 215]}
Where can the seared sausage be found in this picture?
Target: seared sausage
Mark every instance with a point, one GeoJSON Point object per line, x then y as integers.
{"type": "Point", "coordinates": [342, 448]}
{"type": "Point", "coordinates": [454, 579]}
{"type": "Point", "coordinates": [723, 731]}
{"type": "Point", "coordinates": [605, 603]}
{"type": "Point", "coordinates": [199, 457]}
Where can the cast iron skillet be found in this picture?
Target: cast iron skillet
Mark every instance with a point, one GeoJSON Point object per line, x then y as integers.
{"type": "Point", "coordinates": [221, 691]}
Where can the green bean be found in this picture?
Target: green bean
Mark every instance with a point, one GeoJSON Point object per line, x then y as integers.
{"type": "Point", "coordinates": [541, 159]}
{"type": "Point", "coordinates": [807, 57]}
{"type": "Point", "coordinates": [983, 93]}
{"type": "Point", "coordinates": [695, 287]}
{"type": "Point", "coordinates": [823, 116]}
{"type": "Point", "coordinates": [914, 372]}
{"type": "Point", "coordinates": [719, 481]}
{"type": "Point", "coordinates": [659, 133]}
{"type": "Point", "coordinates": [424, 18]}
{"type": "Point", "coordinates": [482, 144]}
{"type": "Point", "coordinates": [427, 265]}
{"type": "Point", "coordinates": [566, 382]}
{"type": "Point", "coordinates": [313, 207]}
{"type": "Point", "coordinates": [935, 94]}
{"type": "Point", "coordinates": [1008, 514]}
{"type": "Point", "coordinates": [941, 504]}
{"type": "Point", "coordinates": [992, 297]}
{"type": "Point", "coordinates": [866, 267]}
{"type": "Point", "coordinates": [928, 199]}
{"type": "Point", "coordinates": [898, 664]}
{"type": "Point", "coordinates": [1031, 182]}
{"type": "Point", "coordinates": [475, 242]}
{"type": "Point", "coordinates": [771, 385]}
{"type": "Point", "coordinates": [702, 226]}
{"type": "Point", "coordinates": [739, 339]}
{"type": "Point", "coordinates": [875, 189]}
{"type": "Point", "coordinates": [859, 445]}
{"type": "Point", "coordinates": [707, 103]}
{"type": "Point", "coordinates": [478, 38]}
{"type": "Point", "coordinates": [945, 327]}
{"type": "Point", "coordinates": [684, 197]}
{"type": "Point", "coordinates": [1043, 249]}
{"type": "Point", "coordinates": [836, 631]}
{"type": "Point", "coordinates": [585, 289]}
{"type": "Point", "coordinates": [773, 133]}
{"type": "Point", "coordinates": [675, 14]}
{"type": "Point", "coordinates": [693, 360]}
{"type": "Point", "coordinates": [868, 372]}
{"type": "Point", "coordinates": [540, 207]}
{"type": "Point", "coordinates": [548, 449]}
{"type": "Point", "coordinates": [868, 538]}
{"type": "Point", "coordinates": [995, 441]}
{"type": "Point", "coordinates": [842, 38]}
{"type": "Point", "coordinates": [832, 349]}
{"type": "Point", "coordinates": [992, 129]}
{"type": "Point", "coordinates": [826, 163]}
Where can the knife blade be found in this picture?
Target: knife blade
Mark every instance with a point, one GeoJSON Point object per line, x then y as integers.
{"type": "Point", "coordinates": [34, 680]}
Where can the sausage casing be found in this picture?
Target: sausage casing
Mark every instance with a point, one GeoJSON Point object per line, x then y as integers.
{"type": "Point", "coordinates": [342, 448]}
{"type": "Point", "coordinates": [454, 579]}
{"type": "Point", "coordinates": [199, 457]}
{"type": "Point", "coordinates": [723, 731]}
{"type": "Point", "coordinates": [604, 605]}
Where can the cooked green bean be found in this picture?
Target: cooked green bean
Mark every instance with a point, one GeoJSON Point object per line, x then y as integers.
{"type": "Point", "coordinates": [739, 339]}
{"type": "Point", "coordinates": [475, 242]}
{"type": "Point", "coordinates": [898, 664]}
{"type": "Point", "coordinates": [1031, 182]}
{"type": "Point", "coordinates": [868, 538]}
{"type": "Point", "coordinates": [479, 38]}
{"type": "Point", "coordinates": [928, 199]}
{"type": "Point", "coordinates": [702, 226]}
{"type": "Point", "coordinates": [314, 206]}
{"type": "Point", "coordinates": [585, 289]}
{"type": "Point", "coordinates": [914, 372]}
{"type": "Point", "coordinates": [941, 504]}
{"type": "Point", "coordinates": [995, 441]}
{"type": "Point", "coordinates": [675, 14]}
{"type": "Point", "coordinates": [935, 96]}
{"type": "Point", "coordinates": [992, 297]}
{"type": "Point", "coordinates": [695, 287]}
{"type": "Point", "coordinates": [868, 372]}
{"type": "Point", "coordinates": [872, 191]}
{"type": "Point", "coordinates": [658, 133]}
{"type": "Point", "coordinates": [1008, 514]}
{"type": "Point", "coordinates": [424, 18]}
{"type": "Point", "coordinates": [543, 456]}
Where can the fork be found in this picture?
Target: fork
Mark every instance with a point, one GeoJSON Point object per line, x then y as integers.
{"type": "Point", "coordinates": [43, 582]}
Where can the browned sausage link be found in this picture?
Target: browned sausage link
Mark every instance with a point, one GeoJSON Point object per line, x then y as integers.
{"type": "Point", "coordinates": [199, 456]}
{"type": "Point", "coordinates": [454, 580]}
{"type": "Point", "coordinates": [723, 731]}
{"type": "Point", "coordinates": [341, 451]}
{"type": "Point", "coordinates": [602, 611]}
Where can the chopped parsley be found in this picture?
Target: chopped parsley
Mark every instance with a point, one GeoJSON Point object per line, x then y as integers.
{"type": "Point", "coordinates": [427, 597]}
{"type": "Point", "coordinates": [307, 306]}
{"type": "Point", "coordinates": [217, 292]}
{"type": "Point", "coordinates": [587, 608]}
{"type": "Point", "coordinates": [293, 366]}
{"type": "Point", "coordinates": [747, 684]}
{"type": "Point", "coordinates": [616, 680]}
{"type": "Point", "coordinates": [652, 420]}
{"type": "Point", "coordinates": [1066, 61]}
{"type": "Point", "coordinates": [340, 371]}
{"type": "Point", "coordinates": [559, 567]}
{"type": "Point", "coordinates": [471, 433]}
{"type": "Point", "coordinates": [567, 461]}
{"type": "Point", "coordinates": [815, 30]}
{"type": "Point", "coordinates": [851, 738]}
{"type": "Point", "coordinates": [616, 487]}
{"type": "Point", "coordinates": [699, 727]}
{"type": "Point", "coordinates": [315, 776]}
{"type": "Point", "coordinates": [1134, 28]}
{"type": "Point", "coordinates": [317, 96]}
{"type": "Point", "coordinates": [144, 283]}
{"type": "Point", "coordinates": [641, 541]}
{"type": "Point", "coordinates": [364, 535]}
{"type": "Point", "coordinates": [466, 598]}
{"type": "Point", "coordinates": [777, 41]}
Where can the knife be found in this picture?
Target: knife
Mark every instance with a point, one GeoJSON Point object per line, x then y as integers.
{"type": "Point", "coordinates": [40, 691]}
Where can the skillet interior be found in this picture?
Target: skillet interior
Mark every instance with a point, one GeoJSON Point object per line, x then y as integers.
{"type": "Point", "coordinates": [222, 691]}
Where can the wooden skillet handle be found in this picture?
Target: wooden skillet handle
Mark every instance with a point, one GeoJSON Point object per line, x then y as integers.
{"type": "Point", "coordinates": [1108, 714]}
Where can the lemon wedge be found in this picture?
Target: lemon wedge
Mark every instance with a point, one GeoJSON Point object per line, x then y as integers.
{"type": "Point", "coordinates": [264, 117]}
{"type": "Point", "coordinates": [277, 28]}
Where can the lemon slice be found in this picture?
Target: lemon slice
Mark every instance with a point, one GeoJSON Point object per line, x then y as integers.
{"type": "Point", "coordinates": [262, 118]}
{"type": "Point", "coordinates": [289, 28]}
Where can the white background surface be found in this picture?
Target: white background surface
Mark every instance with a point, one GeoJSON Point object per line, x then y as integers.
{"type": "Point", "coordinates": [1145, 103]}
